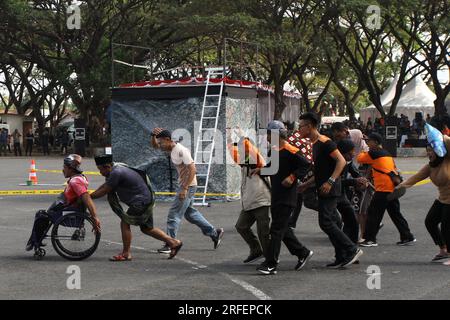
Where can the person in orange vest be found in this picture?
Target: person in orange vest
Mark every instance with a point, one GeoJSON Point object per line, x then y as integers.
{"type": "Point", "coordinates": [255, 198]}
{"type": "Point", "coordinates": [383, 166]}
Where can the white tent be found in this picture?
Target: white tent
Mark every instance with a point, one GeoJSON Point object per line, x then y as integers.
{"type": "Point", "coordinates": [415, 97]}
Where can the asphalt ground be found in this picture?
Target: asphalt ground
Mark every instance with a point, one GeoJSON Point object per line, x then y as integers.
{"type": "Point", "coordinates": [201, 273]}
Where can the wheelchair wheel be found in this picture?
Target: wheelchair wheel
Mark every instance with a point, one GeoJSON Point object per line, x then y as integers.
{"type": "Point", "coordinates": [73, 238]}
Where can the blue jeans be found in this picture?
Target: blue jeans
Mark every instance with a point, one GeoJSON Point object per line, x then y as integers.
{"type": "Point", "coordinates": [185, 207]}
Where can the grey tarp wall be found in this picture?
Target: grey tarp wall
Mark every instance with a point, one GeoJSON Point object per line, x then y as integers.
{"type": "Point", "coordinates": [133, 119]}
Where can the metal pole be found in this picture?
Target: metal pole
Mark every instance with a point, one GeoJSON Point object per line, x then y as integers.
{"type": "Point", "coordinates": [112, 64]}
{"type": "Point", "coordinates": [240, 60]}
{"type": "Point", "coordinates": [132, 62]}
{"type": "Point", "coordinates": [224, 56]}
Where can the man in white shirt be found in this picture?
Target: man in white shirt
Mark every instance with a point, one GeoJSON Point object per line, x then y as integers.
{"type": "Point", "coordinates": [187, 185]}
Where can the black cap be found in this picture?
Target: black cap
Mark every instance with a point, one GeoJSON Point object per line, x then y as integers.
{"type": "Point", "coordinates": [164, 134]}
{"type": "Point", "coordinates": [345, 145]}
{"type": "Point", "coordinates": [375, 137]}
{"type": "Point", "coordinates": [103, 159]}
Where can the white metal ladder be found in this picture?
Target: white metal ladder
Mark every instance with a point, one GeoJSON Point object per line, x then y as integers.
{"type": "Point", "coordinates": [208, 125]}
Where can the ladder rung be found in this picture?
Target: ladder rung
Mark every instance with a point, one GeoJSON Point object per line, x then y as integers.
{"type": "Point", "coordinates": [208, 118]}
{"type": "Point", "coordinates": [208, 129]}
{"type": "Point", "coordinates": [202, 175]}
{"type": "Point", "coordinates": [203, 187]}
{"type": "Point", "coordinates": [211, 106]}
{"type": "Point", "coordinates": [206, 140]}
{"type": "Point", "coordinates": [213, 95]}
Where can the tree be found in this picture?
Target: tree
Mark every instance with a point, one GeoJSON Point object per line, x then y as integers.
{"type": "Point", "coordinates": [425, 24]}
{"type": "Point", "coordinates": [363, 45]}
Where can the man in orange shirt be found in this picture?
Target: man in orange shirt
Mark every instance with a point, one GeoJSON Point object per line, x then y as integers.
{"type": "Point", "coordinates": [382, 164]}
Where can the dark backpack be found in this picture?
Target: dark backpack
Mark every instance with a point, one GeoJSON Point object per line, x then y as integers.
{"type": "Point", "coordinates": [395, 177]}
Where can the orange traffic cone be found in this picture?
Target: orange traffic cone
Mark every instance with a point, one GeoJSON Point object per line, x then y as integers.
{"type": "Point", "coordinates": [32, 175]}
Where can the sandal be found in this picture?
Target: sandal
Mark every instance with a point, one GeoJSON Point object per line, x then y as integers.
{"type": "Point", "coordinates": [174, 250]}
{"type": "Point", "coordinates": [119, 258]}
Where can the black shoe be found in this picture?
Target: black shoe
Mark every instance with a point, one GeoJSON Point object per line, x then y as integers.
{"type": "Point", "coordinates": [165, 249]}
{"type": "Point", "coordinates": [367, 243]}
{"type": "Point", "coordinates": [406, 242]}
{"type": "Point", "coordinates": [267, 270]}
{"type": "Point", "coordinates": [218, 238]}
{"type": "Point", "coordinates": [352, 258]}
{"type": "Point", "coordinates": [334, 265]}
{"type": "Point", "coordinates": [302, 261]}
{"type": "Point", "coordinates": [380, 226]}
{"type": "Point", "coordinates": [29, 246]}
{"type": "Point", "coordinates": [253, 257]}
{"type": "Point", "coordinates": [441, 257]}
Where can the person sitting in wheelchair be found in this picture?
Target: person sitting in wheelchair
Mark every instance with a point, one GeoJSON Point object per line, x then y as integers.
{"type": "Point", "coordinates": [74, 198]}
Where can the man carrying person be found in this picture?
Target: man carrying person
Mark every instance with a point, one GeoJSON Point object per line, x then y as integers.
{"type": "Point", "coordinates": [383, 166]}
{"type": "Point", "coordinates": [255, 198]}
{"type": "Point", "coordinates": [132, 188]}
{"type": "Point", "coordinates": [328, 166]}
{"type": "Point", "coordinates": [341, 131]}
{"type": "Point", "coordinates": [291, 166]}
{"type": "Point", "coordinates": [183, 204]}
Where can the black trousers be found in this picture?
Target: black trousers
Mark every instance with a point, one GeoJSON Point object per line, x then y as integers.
{"type": "Point", "coordinates": [29, 148]}
{"type": "Point", "coordinates": [45, 149]}
{"type": "Point", "coordinates": [328, 222]}
{"type": "Point", "coordinates": [377, 206]}
{"type": "Point", "coordinates": [439, 214]}
{"type": "Point", "coordinates": [17, 149]}
{"type": "Point", "coordinates": [296, 213]}
{"type": "Point", "coordinates": [351, 226]}
{"type": "Point", "coordinates": [280, 231]}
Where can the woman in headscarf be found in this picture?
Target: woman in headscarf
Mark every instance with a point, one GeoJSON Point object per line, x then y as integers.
{"type": "Point", "coordinates": [438, 170]}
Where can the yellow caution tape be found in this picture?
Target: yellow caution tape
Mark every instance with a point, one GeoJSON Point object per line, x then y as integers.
{"type": "Point", "coordinates": [28, 192]}
{"type": "Point", "coordinates": [46, 192]}
{"type": "Point", "coordinates": [91, 173]}
{"type": "Point", "coordinates": [421, 183]}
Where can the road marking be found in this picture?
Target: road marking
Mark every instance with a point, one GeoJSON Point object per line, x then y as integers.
{"type": "Point", "coordinates": [245, 285]}
{"type": "Point", "coordinates": [253, 290]}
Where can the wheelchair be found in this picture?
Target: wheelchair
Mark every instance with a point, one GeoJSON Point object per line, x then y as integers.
{"type": "Point", "coordinates": [71, 234]}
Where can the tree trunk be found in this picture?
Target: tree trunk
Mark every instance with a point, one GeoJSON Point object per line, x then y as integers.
{"type": "Point", "coordinates": [279, 101]}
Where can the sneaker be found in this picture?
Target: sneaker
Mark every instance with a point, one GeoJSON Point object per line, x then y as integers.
{"type": "Point", "coordinates": [218, 238]}
{"type": "Point", "coordinates": [29, 246]}
{"type": "Point", "coordinates": [334, 265]}
{"type": "Point", "coordinates": [351, 259]}
{"type": "Point", "coordinates": [406, 242]}
{"type": "Point", "coordinates": [266, 270]}
{"type": "Point", "coordinates": [253, 257]}
{"type": "Point", "coordinates": [302, 261]}
{"type": "Point", "coordinates": [368, 243]}
{"type": "Point", "coordinates": [440, 258]}
{"type": "Point", "coordinates": [164, 249]}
